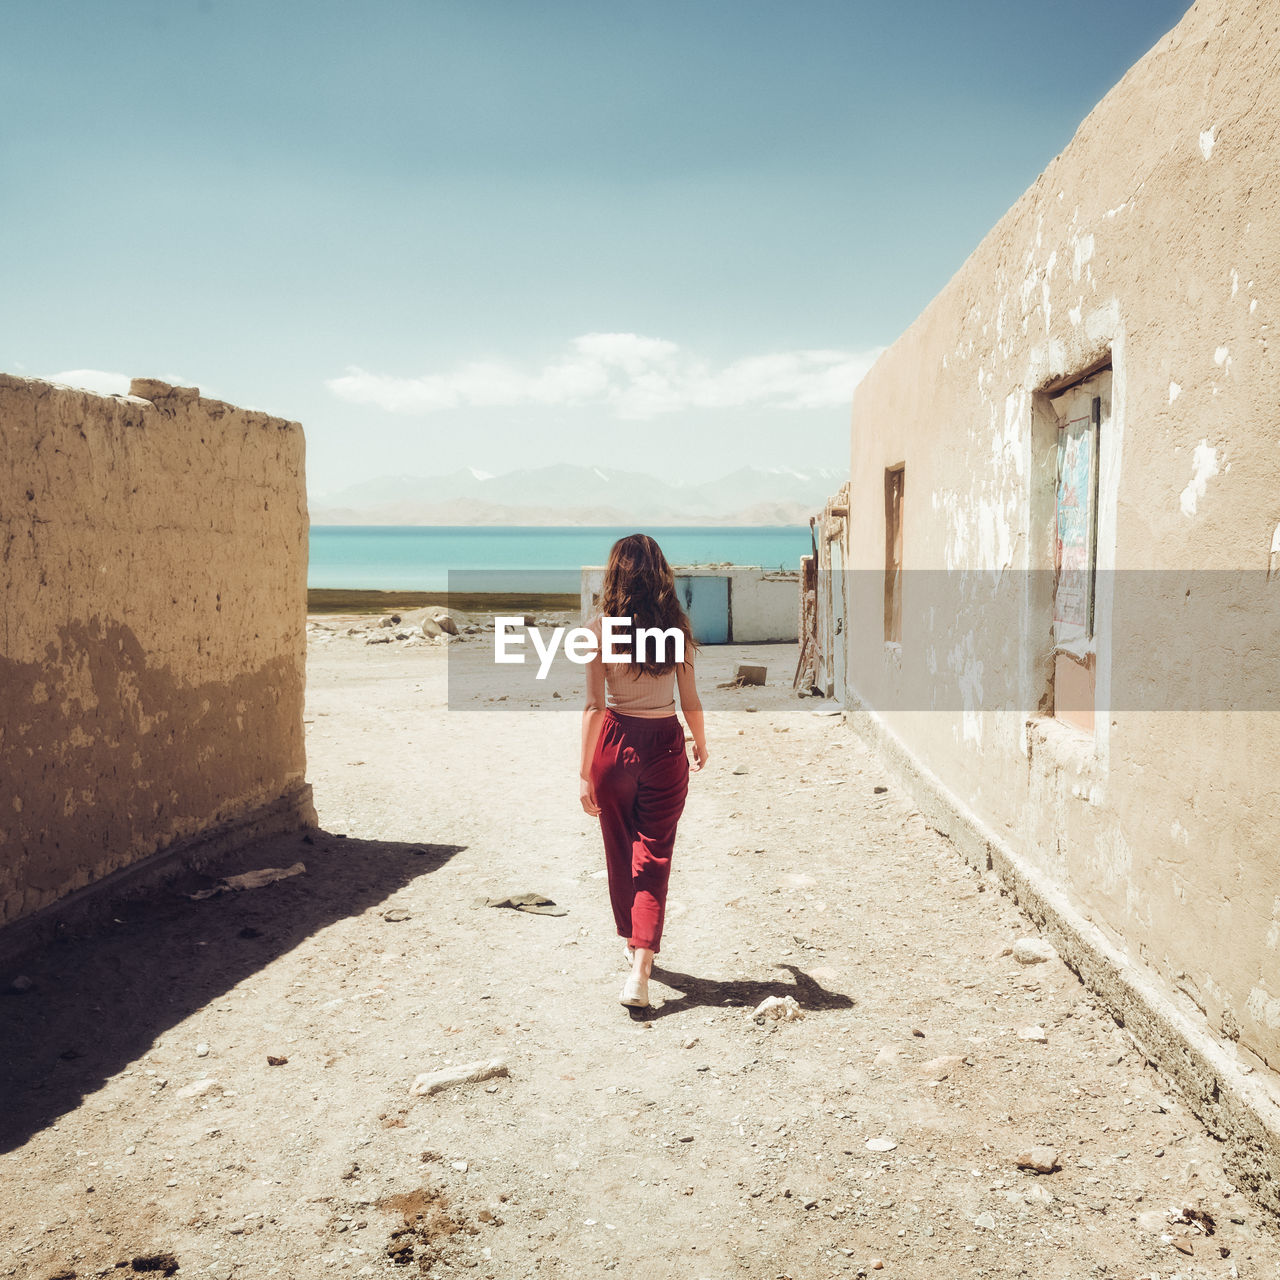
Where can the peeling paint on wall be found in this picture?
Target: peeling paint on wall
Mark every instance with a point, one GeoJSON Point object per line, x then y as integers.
{"type": "Point", "coordinates": [1264, 1007]}
{"type": "Point", "coordinates": [1164, 260]}
{"type": "Point", "coordinates": [1083, 254]}
{"type": "Point", "coordinates": [1204, 466]}
{"type": "Point", "coordinates": [1273, 933]}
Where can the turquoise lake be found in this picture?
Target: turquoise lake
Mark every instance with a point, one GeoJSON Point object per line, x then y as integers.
{"type": "Point", "coordinates": [498, 558]}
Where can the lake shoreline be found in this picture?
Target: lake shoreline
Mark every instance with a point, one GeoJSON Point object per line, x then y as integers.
{"type": "Point", "coordinates": [331, 600]}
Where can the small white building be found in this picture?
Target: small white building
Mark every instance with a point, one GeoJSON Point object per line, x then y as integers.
{"type": "Point", "coordinates": [726, 604]}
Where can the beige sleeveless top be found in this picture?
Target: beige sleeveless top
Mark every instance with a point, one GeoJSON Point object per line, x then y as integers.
{"type": "Point", "coordinates": [637, 693]}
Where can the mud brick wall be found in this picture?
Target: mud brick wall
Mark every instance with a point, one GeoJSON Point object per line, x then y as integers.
{"type": "Point", "coordinates": [153, 554]}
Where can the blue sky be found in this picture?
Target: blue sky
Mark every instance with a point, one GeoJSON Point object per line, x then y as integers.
{"type": "Point", "coordinates": [664, 236]}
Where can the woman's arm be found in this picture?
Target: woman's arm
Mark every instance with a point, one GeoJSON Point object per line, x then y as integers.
{"type": "Point", "coordinates": [592, 718]}
{"type": "Point", "coordinates": [691, 705]}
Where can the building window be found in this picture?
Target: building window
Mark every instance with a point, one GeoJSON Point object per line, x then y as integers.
{"type": "Point", "coordinates": [893, 479]}
{"type": "Point", "coordinates": [1081, 412]}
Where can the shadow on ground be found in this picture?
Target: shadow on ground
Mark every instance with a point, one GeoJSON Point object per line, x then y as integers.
{"type": "Point", "coordinates": [98, 1002]}
{"type": "Point", "coordinates": [703, 993]}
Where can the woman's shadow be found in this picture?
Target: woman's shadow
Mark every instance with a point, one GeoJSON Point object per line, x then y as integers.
{"type": "Point", "coordinates": [709, 993]}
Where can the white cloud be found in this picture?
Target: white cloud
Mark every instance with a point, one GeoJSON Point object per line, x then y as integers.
{"type": "Point", "coordinates": [107, 384]}
{"type": "Point", "coordinates": [638, 377]}
{"type": "Point", "coordinates": [111, 384]}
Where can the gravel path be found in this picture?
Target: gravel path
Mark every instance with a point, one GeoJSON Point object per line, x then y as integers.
{"type": "Point", "coordinates": [877, 1134]}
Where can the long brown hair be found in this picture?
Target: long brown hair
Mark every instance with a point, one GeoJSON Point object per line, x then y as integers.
{"type": "Point", "coordinates": [639, 584]}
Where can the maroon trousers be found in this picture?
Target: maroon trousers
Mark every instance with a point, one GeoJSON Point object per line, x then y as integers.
{"type": "Point", "coordinates": [641, 777]}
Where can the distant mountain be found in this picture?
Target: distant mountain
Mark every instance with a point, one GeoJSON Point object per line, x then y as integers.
{"type": "Point", "coordinates": [567, 493]}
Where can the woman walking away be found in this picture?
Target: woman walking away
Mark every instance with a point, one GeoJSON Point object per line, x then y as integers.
{"type": "Point", "coordinates": [634, 772]}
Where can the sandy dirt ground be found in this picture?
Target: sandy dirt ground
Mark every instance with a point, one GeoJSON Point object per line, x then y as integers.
{"type": "Point", "coordinates": [222, 1087]}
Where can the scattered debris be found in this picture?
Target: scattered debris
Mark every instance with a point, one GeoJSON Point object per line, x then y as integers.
{"type": "Point", "coordinates": [396, 914]}
{"type": "Point", "coordinates": [400, 1247]}
{"type": "Point", "coordinates": [427, 1226]}
{"type": "Point", "coordinates": [780, 1008]}
{"type": "Point", "coordinates": [165, 1263]}
{"type": "Point", "coordinates": [1197, 1219]}
{"type": "Point", "coordinates": [881, 1144]}
{"type": "Point", "coordinates": [249, 880]}
{"type": "Point", "coordinates": [202, 1051]}
{"type": "Point", "coordinates": [985, 1222]}
{"type": "Point", "coordinates": [274, 1061]}
{"type": "Point", "coordinates": [746, 673]}
{"type": "Point", "coordinates": [20, 985]}
{"type": "Point", "coordinates": [1034, 1034]}
{"type": "Point", "coordinates": [430, 1082]}
{"type": "Point", "coordinates": [535, 903]}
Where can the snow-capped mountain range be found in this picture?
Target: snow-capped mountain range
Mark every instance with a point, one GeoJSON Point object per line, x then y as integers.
{"type": "Point", "coordinates": [571, 494]}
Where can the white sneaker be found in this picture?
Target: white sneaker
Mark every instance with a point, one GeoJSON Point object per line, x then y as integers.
{"type": "Point", "coordinates": [635, 993]}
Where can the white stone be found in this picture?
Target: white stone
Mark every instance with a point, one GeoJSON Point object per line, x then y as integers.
{"type": "Point", "coordinates": [1032, 951]}
{"type": "Point", "coordinates": [430, 1082]}
{"type": "Point", "coordinates": [782, 1008]}
{"type": "Point", "coordinates": [198, 1088]}
{"type": "Point", "coordinates": [1039, 1159]}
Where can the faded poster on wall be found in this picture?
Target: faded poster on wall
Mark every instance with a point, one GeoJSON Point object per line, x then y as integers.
{"type": "Point", "coordinates": [1072, 596]}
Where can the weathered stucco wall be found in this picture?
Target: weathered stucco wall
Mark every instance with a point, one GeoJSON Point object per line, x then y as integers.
{"type": "Point", "coordinates": [1152, 241]}
{"type": "Point", "coordinates": [763, 604]}
{"type": "Point", "coordinates": [153, 559]}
